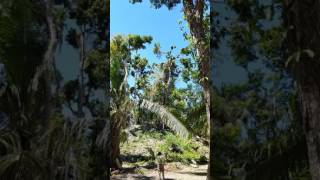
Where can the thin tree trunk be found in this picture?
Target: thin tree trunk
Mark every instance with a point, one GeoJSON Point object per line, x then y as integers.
{"type": "Point", "coordinates": [108, 174]}
{"type": "Point", "coordinates": [208, 97]}
{"type": "Point", "coordinates": [81, 75]}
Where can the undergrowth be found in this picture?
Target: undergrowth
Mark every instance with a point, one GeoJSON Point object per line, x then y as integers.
{"type": "Point", "coordinates": [148, 144]}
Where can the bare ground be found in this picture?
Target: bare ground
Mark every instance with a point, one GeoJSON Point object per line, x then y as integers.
{"type": "Point", "coordinates": [173, 171]}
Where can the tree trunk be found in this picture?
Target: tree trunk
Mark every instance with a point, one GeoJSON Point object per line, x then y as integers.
{"type": "Point", "coordinates": [302, 21]}
{"type": "Point", "coordinates": [115, 145]}
{"type": "Point", "coordinates": [46, 69]}
{"type": "Point", "coordinates": [81, 89]}
{"type": "Point", "coordinates": [194, 14]}
{"type": "Point", "coordinates": [310, 100]}
{"type": "Point", "coordinates": [208, 97]}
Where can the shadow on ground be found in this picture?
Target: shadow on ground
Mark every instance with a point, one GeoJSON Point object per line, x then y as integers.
{"type": "Point", "coordinates": [195, 173]}
{"type": "Point", "coordinates": [135, 158]}
{"type": "Point", "coordinates": [133, 177]}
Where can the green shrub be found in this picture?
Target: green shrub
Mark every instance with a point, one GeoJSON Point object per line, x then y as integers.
{"type": "Point", "coordinates": [187, 146]}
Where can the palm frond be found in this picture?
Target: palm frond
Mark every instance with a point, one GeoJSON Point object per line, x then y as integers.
{"type": "Point", "coordinates": [168, 118]}
{"type": "Point", "coordinates": [18, 163]}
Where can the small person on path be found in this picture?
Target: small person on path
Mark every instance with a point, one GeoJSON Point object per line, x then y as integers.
{"type": "Point", "coordinates": [160, 162]}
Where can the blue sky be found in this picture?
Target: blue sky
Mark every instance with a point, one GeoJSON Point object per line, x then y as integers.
{"type": "Point", "coordinates": [141, 18]}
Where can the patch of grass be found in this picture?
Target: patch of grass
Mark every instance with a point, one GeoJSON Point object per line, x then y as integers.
{"type": "Point", "coordinates": [141, 163]}
{"type": "Point", "coordinates": [187, 146]}
{"type": "Point", "coordinates": [140, 171]}
{"type": "Point", "coordinates": [151, 134]}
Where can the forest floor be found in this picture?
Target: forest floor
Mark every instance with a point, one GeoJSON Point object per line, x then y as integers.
{"type": "Point", "coordinates": [173, 171]}
{"type": "Point", "coordinates": [186, 158]}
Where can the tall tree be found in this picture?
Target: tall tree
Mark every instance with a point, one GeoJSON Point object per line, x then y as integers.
{"type": "Point", "coordinates": [302, 43]}
{"type": "Point", "coordinates": [89, 35]}
{"type": "Point", "coordinates": [47, 68]}
{"type": "Point", "coordinates": [120, 57]}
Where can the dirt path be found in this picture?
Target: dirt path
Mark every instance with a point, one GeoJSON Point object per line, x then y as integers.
{"type": "Point", "coordinates": [172, 172]}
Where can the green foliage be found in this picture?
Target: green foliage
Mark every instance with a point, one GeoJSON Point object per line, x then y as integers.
{"type": "Point", "coordinates": [270, 40]}
{"type": "Point", "coordinates": [262, 130]}
{"type": "Point", "coordinates": [58, 150]}
{"type": "Point", "coordinates": [136, 42]}
{"type": "Point", "coordinates": [120, 50]}
{"type": "Point", "coordinates": [34, 146]}
{"type": "Point", "coordinates": [159, 95]}
{"type": "Point", "coordinates": [157, 49]}
{"type": "Point", "coordinates": [150, 142]}
{"type": "Point", "coordinates": [187, 147]}
{"type": "Point", "coordinates": [21, 49]}
{"type": "Point", "coordinates": [72, 38]}
{"type": "Point", "coordinates": [96, 66]}
{"type": "Point", "coordinates": [159, 3]}
{"type": "Point", "coordinates": [242, 45]}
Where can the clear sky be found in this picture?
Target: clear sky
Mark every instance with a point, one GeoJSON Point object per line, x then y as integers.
{"type": "Point", "coordinates": [143, 19]}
